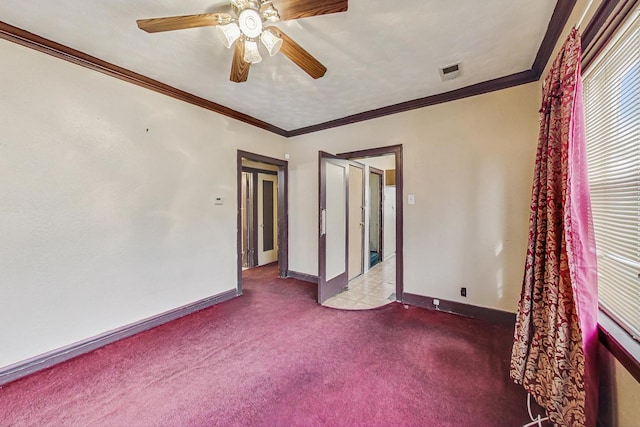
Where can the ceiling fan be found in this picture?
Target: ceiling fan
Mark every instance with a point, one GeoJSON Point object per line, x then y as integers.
{"type": "Point", "coordinates": [252, 22]}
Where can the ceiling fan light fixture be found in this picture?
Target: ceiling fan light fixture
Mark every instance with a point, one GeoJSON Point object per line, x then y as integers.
{"type": "Point", "coordinates": [239, 4]}
{"type": "Point", "coordinates": [224, 19]}
{"type": "Point", "coordinates": [272, 42]}
{"type": "Point", "coordinates": [243, 22]}
{"type": "Point", "coordinates": [250, 23]}
{"type": "Point", "coordinates": [269, 13]}
{"type": "Point", "coordinates": [251, 53]}
{"type": "Point", "coordinates": [228, 33]}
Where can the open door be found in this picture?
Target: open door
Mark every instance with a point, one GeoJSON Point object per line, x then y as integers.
{"type": "Point", "coordinates": [333, 230]}
{"type": "Point", "coordinates": [356, 219]}
{"type": "Point", "coordinates": [247, 212]}
{"type": "Point", "coordinates": [267, 218]}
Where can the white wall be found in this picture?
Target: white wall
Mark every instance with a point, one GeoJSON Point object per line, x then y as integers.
{"type": "Point", "coordinates": [106, 211]}
{"type": "Point", "coordinates": [389, 221]}
{"type": "Point", "coordinates": [469, 164]}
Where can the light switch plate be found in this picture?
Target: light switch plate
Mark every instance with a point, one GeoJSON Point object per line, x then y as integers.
{"type": "Point", "coordinates": [411, 199]}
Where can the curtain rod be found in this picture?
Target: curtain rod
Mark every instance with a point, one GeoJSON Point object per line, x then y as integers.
{"type": "Point", "coordinates": [584, 14]}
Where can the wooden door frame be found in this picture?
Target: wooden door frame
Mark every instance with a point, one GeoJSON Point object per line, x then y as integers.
{"type": "Point", "coordinates": [396, 150]}
{"type": "Point", "coordinates": [254, 213]}
{"type": "Point", "coordinates": [380, 174]}
{"type": "Point", "coordinates": [283, 211]}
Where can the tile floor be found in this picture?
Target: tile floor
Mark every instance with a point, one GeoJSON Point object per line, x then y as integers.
{"type": "Point", "coordinates": [375, 288]}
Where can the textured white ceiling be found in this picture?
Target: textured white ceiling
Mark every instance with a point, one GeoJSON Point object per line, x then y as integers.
{"type": "Point", "coordinates": [378, 53]}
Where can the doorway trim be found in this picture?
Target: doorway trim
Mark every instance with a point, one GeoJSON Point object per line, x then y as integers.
{"type": "Point", "coordinates": [283, 211]}
{"type": "Point", "coordinates": [396, 150]}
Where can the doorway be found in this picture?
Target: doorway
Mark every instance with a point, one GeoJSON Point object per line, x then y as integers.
{"type": "Point", "coordinates": [259, 214]}
{"type": "Point", "coordinates": [337, 220]}
{"type": "Point", "coordinates": [262, 213]}
{"type": "Point", "coordinates": [376, 216]}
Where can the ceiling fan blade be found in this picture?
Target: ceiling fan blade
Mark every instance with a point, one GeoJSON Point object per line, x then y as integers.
{"type": "Point", "coordinates": [171, 23]}
{"type": "Point", "coordinates": [299, 56]}
{"type": "Point", "coordinates": [294, 9]}
{"type": "Point", "coordinates": [239, 68]}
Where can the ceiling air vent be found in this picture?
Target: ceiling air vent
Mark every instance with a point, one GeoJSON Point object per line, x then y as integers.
{"type": "Point", "coordinates": [451, 72]}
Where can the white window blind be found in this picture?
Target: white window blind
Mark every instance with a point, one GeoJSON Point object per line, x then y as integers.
{"type": "Point", "coordinates": [612, 113]}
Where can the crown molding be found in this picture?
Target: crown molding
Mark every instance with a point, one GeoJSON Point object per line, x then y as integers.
{"type": "Point", "coordinates": [34, 41]}
{"type": "Point", "coordinates": [465, 92]}
{"type": "Point", "coordinates": [557, 23]}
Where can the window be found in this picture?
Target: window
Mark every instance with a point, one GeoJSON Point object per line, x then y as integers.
{"type": "Point", "coordinates": [612, 113]}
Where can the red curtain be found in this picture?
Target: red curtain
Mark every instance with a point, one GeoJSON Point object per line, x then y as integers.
{"type": "Point", "coordinates": [555, 345]}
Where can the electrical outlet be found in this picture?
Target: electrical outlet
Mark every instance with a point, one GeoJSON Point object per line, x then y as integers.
{"type": "Point", "coordinates": [463, 292]}
{"type": "Point", "coordinates": [436, 302]}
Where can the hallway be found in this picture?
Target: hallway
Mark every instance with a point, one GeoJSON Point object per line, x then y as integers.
{"type": "Point", "coordinates": [375, 288]}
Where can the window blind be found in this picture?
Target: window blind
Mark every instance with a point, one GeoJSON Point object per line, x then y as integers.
{"type": "Point", "coordinates": [612, 117]}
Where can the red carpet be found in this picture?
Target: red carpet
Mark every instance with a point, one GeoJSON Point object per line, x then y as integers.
{"type": "Point", "coordinates": [273, 357]}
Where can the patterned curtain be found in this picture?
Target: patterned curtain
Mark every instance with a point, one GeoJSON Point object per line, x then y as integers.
{"type": "Point", "coordinates": [554, 354]}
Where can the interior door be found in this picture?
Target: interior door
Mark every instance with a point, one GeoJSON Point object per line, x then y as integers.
{"type": "Point", "coordinates": [248, 223]}
{"type": "Point", "coordinates": [333, 229]}
{"type": "Point", "coordinates": [356, 220]}
{"type": "Point", "coordinates": [267, 218]}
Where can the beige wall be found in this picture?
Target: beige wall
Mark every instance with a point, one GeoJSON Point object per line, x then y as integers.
{"type": "Point", "coordinates": [259, 165]}
{"type": "Point", "coordinates": [627, 396]}
{"type": "Point", "coordinates": [107, 208]}
{"type": "Point", "coordinates": [619, 393]}
{"type": "Point", "coordinates": [469, 164]}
